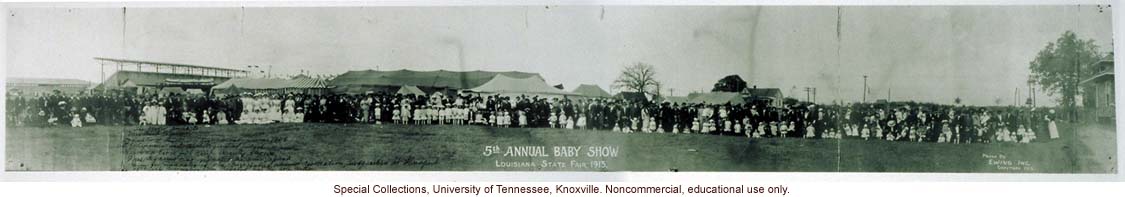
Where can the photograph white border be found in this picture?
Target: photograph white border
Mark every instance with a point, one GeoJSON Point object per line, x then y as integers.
{"type": "Point", "coordinates": [428, 176]}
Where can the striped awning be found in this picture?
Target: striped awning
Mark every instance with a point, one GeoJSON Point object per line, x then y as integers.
{"type": "Point", "coordinates": [261, 84]}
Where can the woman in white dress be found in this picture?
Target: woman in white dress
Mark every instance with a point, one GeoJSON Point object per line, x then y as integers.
{"type": "Point", "coordinates": [365, 113]}
{"type": "Point", "coordinates": [1052, 129]}
{"type": "Point", "coordinates": [291, 110]}
{"type": "Point", "coordinates": [267, 109]}
{"type": "Point", "coordinates": [155, 113]}
{"type": "Point", "coordinates": [275, 110]}
{"type": "Point", "coordinates": [160, 114]}
{"type": "Point", "coordinates": [146, 117]}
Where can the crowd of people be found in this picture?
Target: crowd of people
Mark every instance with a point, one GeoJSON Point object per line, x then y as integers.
{"type": "Point", "coordinates": [883, 121]}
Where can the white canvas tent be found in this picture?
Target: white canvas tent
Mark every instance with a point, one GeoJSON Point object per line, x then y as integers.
{"type": "Point", "coordinates": [530, 86]}
{"type": "Point", "coordinates": [407, 90]}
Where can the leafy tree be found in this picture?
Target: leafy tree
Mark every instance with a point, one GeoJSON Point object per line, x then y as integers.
{"type": "Point", "coordinates": [638, 77]}
{"type": "Point", "coordinates": [731, 83]}
{"type": "Point", "coordinates": [1057, 68]}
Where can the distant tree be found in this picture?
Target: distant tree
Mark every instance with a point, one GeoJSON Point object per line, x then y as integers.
{"type": "Point", "coordinates": [1057, 67]}
{"type": "Point", "coordinates": [638, 77]}
{"type": "Point", "coordinates": [731, 83]}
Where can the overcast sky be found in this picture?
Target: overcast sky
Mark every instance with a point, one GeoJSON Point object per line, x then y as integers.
{"type": "Point", "coordinates": [932, 54]}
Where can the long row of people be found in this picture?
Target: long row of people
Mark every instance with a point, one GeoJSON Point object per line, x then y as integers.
{"type": "Point", "coordinates": [887, 121]}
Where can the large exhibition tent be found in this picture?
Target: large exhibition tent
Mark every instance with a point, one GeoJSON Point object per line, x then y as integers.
{"type": "Point", "coordinates": [506, 85]}
{"type": "Point", "coordinates": [390, 81]}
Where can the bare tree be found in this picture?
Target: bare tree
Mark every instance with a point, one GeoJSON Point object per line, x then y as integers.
{"type": "Point", "coordinates": [638, 77]}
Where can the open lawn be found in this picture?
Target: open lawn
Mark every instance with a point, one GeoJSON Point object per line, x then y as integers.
{"type": "Point", "coordinates": [461, 148]}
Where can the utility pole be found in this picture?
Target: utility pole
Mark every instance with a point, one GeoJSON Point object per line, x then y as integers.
{"type": "Point", "coordinates": [102, 63]}
{"type": "Point", "coordinates": [814, 95]}
{"type": "Point", "coordinates": [1074, 95]}
{"type": "Point", "coordinates": [808, 94]}
{"type": "Point", "coordinates": [865, 88]}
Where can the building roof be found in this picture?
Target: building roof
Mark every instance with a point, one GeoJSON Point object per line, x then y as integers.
{"type": "Point", "coordinates": [633, 96]}
{"type": "Point", "coordinates": [758, 93]}
{"type": "Point", "coordinates": [1104, 72]}
{"type": "Point", "coordinates": [512, 85]}
{"type": "Point", "coordinates": [716, 98]}
{"type": "Point", "coordinates": [591, 91]}
{"type": "Point", "coordinates": [436, 79]}
{"type": "Point", "coordinates": [48, 81]}
{"type": "Point", "coordinates": [676, 99]}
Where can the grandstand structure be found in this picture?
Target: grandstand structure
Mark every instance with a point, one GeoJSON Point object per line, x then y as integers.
{"type": "Point", "coordinates": [156, 77]}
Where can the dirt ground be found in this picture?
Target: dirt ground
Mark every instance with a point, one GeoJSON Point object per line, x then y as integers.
{"type": "Point", "coordinates": [462, 148]}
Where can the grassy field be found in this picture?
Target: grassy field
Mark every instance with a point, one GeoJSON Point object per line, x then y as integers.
{"type": "Point", "coordinates": [460, 148]}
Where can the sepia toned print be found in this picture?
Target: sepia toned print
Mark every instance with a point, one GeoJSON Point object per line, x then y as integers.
{"type": "Point", "coordinates": [977, 89]}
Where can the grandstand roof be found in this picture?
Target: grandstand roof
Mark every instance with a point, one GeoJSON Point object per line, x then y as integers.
{"type": "Point", "coordinates": [164, 64]}
{"type": "Point", "coordinates": [120, 78]}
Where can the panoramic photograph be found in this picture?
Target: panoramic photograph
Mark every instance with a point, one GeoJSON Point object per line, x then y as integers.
{"type": "Point", "coordinates": [914, 89]}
